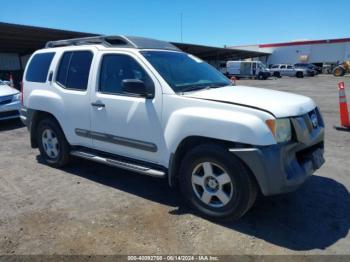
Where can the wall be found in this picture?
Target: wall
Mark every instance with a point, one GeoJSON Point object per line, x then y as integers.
{"type": "Point", "coordinates": [311, 53]}
{"type": "Point", "coordinates": [9, 62]}
{"type": "Point", "coordinates": [316, 53]}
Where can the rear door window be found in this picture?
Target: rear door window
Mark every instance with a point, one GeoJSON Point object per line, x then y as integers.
{"type": "Point", "coordinates": [74, 68]}
{"type": "Point", "coordinates": [39, 67]}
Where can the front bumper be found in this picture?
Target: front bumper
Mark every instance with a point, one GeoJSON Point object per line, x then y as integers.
{"type": "Point", "coordinates": [311, 73]}
{"type": "Point", "coordinates": [267, 74]}
{"type": "Point", "coordinates": [10, 110]}
{"type": "Point", "coordinates": [282, 168]}
{"type": "Point", "coordinates": [24, 115]}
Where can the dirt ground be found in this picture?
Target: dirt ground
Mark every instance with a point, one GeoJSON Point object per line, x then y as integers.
{"type": "Point", "coordinates": [89, 208]}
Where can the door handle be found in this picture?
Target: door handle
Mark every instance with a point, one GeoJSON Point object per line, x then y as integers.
{"type": "Point", "coordinates": [98, 104]}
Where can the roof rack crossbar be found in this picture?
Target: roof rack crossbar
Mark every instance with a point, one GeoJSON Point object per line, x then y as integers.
{"type": "Point", "coordinates": [103, 40]}
{"type": "Point", "coordinates": [115, 41]}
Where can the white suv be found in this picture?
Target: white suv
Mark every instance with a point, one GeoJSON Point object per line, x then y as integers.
{"type": "Point", "coordinates": [145, 106]}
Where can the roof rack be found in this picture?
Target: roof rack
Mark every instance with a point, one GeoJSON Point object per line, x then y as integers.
{"type": "Point", "coordinates": [115, 41]}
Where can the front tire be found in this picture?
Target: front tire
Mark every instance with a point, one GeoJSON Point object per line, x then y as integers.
{"type": "Point", "coordinates": [277, 74]}
{"type": "Point", "coordinates": [299, 75]}
{"type": "Point", "coordinates": [339, 71]}
{"type": "Point", "coordinates": [216, 183]}
{"type": "Point", "coordinates": [52, 143]}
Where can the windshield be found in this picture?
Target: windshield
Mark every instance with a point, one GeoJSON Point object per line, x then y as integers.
{"type": "Point", "coordinates": [262, 66]}
{"type": "Point", "coordinates": [184, 72]}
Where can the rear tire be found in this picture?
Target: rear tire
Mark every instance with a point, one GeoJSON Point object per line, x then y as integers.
{"type": "Point", "coordinates": [216, 183]}
{"type": "Point", "coordinates": [52, 143]}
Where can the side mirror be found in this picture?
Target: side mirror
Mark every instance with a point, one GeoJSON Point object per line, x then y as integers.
{"type": "Point", "coordinates": [137, 87]}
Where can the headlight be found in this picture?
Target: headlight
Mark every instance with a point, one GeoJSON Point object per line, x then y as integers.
{"type": "Point", "coordinates": [16, 97]}
{"type": "Point", "coordinates": [281, 129]}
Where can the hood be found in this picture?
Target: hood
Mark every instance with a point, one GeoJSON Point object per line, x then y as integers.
{"type": "Point", "coordinates": [6, 90]}
{"type": "Point", "coordinates": [280, 104]}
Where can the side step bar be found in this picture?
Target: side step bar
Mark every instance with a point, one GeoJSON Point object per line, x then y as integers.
{"type": "Point", "coordinates": [120, 164]}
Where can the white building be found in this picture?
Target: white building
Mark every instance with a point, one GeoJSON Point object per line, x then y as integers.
{"type": "Point", "coordinates": [316, 51]}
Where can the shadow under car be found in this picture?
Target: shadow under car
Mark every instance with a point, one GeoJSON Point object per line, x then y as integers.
{"type": "Point", "coordinates": [313, 217]}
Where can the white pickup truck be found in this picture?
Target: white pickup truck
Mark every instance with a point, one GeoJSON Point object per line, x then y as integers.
{"type": "Point", "coordinates": [143, 105]}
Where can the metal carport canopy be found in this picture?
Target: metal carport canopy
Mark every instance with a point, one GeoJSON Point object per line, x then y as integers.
{"type": "Point", "coordinates": [23, 39]}
{"type": "Point", "coordinates": [218, 53]}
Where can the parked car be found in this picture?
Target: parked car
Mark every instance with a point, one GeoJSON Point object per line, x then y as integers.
{"type": "Point", "coordinates": [317, 68]}
{"type": "Point", "coordinates": [10, 102]}
{"type": "Point", "coordinates": [287, 70]}
{"type": "Point", "coordinates": [252, 69]}
{"type": "Point", "coordinates": [5, 82]}
{"type": "Point", "coordinates": [143, 105]}
{"type": "Point", "coordinates": [327, 68]}
{"type": "Point", "coordinates": [311, 69]}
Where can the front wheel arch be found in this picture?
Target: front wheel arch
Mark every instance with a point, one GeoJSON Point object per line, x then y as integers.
{"type": "Point", "coordinates": [185, 145]}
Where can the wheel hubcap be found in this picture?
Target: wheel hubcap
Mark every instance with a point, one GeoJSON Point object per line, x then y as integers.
{"type": "Point", "coordinates": [50, 143]}
{"type": "Point", "coordinates": [211, 184]}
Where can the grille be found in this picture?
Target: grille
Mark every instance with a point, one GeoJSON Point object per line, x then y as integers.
{"type": "Point", "coordinates": [5, 99]}
{"type": "Point", "coordinates": [9, 113]}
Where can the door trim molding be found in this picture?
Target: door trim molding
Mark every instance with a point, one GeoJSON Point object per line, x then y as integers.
{"type": "Point", "coordinates": [123, 141]}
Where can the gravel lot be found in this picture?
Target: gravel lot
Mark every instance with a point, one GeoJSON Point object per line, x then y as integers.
{"type": "Point", "coordinates": [89, 208]}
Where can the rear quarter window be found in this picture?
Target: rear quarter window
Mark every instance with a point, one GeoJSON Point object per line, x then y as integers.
{"type": "Point", "coordinates": [39, 67]}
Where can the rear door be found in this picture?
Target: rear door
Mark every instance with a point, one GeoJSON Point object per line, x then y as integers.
{"type": "Point", "coordinates": [71, 81]}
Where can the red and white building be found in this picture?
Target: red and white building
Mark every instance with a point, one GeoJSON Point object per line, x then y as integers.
{"type": "Point", "coordinates": [315, 51]}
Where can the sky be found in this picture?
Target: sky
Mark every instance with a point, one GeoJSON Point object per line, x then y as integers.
{"type": "Point", "coordinates": [207, 22]}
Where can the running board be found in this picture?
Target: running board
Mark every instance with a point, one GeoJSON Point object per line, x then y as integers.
{"type": "Point", "coordinates": [120, 164]}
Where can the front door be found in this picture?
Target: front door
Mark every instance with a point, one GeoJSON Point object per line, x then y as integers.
{"type": "Point", "coordinates": [121, 123]}
{"type": "Point", "coordinates": [283, 70]}
{"type": "Point", "coordinates": [254, 69]}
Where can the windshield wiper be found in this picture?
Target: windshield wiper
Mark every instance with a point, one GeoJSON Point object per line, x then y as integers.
{"type": "Point", "coordinates": [202, 87]}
